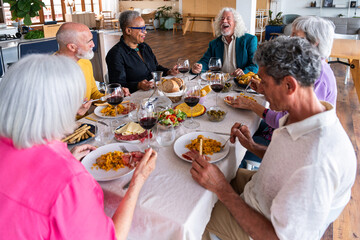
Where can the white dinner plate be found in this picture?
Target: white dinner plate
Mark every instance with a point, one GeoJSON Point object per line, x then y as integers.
{"type": "Point", "coordinates": [203, 76]}
{"type": "Point", "coordinates": [259, 98]}
{"type": "Point", "coordinates": [98, 113]}
{"type": "Point", "coordinates": [180, 149]}
{"type": "Point", "coordinates": [100, 174]}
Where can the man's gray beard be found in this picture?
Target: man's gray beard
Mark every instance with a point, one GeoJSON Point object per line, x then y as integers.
{"type": "Point", "coordinates": [225, 34]}
{"type": "Point", "coordinates": [87, 55]}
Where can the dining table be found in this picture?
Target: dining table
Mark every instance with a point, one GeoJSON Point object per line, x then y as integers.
{"type": "Point", "coordinates": [349, 49]}
{"type": "Point", "coordinates": [171, 204]}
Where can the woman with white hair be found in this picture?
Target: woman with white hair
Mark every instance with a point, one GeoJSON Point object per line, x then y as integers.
{"type": "Point", "coordinates": [320, 33]}
{"type": "Point", "coordinates": [233, 46]}
{"type": "Point", "coordinates": [45, 192]}
{"type": "Point", "coordinates": [131, 61]}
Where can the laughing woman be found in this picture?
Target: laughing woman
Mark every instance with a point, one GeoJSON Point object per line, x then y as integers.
{"type": "Point", "coordinates": [45, 192]}
{"type": "Point", "coordinates": [131, 61]}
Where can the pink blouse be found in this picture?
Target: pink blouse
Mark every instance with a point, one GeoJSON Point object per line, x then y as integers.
{"type": "Point", "coordinates": [45, 193]}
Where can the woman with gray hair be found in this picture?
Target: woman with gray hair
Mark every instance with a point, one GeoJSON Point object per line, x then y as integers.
{"type": "Point", "coordinates": [41, 182]}
{"type": "Point", "coordinates": [233, 46]}
{"type": "Point", "coordinates": [319, 32]}
{"type": "Point", "coordinates": [131, 61]}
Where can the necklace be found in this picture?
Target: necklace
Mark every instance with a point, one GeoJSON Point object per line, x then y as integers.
{"type": "Point", "coordinates": [136, 49]}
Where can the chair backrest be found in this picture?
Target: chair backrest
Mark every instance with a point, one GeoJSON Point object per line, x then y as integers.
{"type": "Point", "coordinates": [95, 39]}
{"type": "Point", "coordinates": [149, 16]}
{"type": "Point", "coordinates": [2, 65]}
{"type": "Point", "coordinates": [289, 18]}
{"type": "Point", "coordinates": [48, 45]}
{"type": "Point", "coordinates": [108, 15]}
{"type": "Point", "coordinates": [346, 36]}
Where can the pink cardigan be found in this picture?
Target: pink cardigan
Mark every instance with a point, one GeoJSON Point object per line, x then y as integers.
{"type": "Point", "coordinates": [45, 193]}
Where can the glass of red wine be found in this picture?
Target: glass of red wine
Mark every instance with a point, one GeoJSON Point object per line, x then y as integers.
{"type": "Point", "coordinates": [217, 84]}
{"type": "Point", "coordinates": [183, 65]}
{"type": "Point", "coordinates": [147, 119]}
{"type": "Point", "coordinates": [116, 95]}
{"type": "Point", "coordinates": [192, 98]}
{"type": "Point", "coordinates": [215, 64]}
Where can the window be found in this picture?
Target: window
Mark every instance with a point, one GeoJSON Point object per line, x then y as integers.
{"type": "Point", "coordinates": [56, 9]}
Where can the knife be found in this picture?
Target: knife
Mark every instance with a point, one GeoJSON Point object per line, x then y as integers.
{"type": "Point", "coordinates": [213, 132]}
{"type": "Point", "coordinates": [101, 122]}
{"type": "Point", "coordinates": [195, 76]}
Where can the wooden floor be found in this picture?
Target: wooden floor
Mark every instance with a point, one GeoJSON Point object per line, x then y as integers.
{"type": "Point", "coordinates": [168, 48]}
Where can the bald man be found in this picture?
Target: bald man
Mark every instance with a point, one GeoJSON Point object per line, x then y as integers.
{"type": "Point", "coordinates": [76, 41]}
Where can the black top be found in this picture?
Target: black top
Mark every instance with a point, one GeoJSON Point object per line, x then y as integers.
{"type": "Point", "coordinates": [127, 68]}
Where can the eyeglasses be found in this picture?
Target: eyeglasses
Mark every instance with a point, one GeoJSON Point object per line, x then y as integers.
{"type": "Point", "coordinates": [142, 29]}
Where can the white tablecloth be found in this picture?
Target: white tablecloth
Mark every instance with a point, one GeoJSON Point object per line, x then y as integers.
{"type": "Point", "coordinates": [171, 204]}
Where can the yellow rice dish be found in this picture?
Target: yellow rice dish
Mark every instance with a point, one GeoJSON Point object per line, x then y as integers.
{"type": "Point", "coordinates": [210, 146]}
{"type": "Point", "coordinates": [110, 110]}
{"type": "Point", "coordinates": [111, 160]}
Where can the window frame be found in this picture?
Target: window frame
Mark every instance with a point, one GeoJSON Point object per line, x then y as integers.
{"type": "Point", "coordinates": [63, 11]}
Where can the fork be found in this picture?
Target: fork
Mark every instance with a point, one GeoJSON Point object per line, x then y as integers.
{"type": "Point", "coordinates": [230, 136]}
{"type": "Point", "coordinates": [123, 149]}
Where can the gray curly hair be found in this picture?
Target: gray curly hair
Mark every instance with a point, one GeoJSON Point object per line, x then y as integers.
{"type": "Point", "coordinates": [318, 31]}
{"type": "Point", "coordinates": [126, 18]}
{"type": "Point", "coordinates": [239, 23]}
{"type": "Point", "coordinates": [286, 56]}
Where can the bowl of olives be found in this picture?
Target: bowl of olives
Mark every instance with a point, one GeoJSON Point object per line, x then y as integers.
{"type": "Point", "coordinates": [216, 114]}
{"type": "Point", "coordinates": [227, 87]}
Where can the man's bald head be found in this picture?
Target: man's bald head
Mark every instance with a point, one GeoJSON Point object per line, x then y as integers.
{"type": "Point", "coordinates": [69, 33]}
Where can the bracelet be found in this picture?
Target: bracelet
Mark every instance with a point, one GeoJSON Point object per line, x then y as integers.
{"type": "Point", "coordinates": [264, 113]}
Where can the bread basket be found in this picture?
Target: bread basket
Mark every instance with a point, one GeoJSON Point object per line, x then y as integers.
{"type": "Point", "coordinates": [173, 96]}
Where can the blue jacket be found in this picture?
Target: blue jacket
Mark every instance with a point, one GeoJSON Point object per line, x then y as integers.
{"type": "Point", "coordinates": [245, 49]}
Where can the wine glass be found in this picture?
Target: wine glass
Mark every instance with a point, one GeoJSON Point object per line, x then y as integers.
{"type": "Point", "coordinates": [217, 84]}
{"type": "Point", "coordinates": [147, 119]}
{"type": "Point", "coordinates": [116, 95]}
{"type": "Point", "coordinates": [192, 98]}
{"type": "Point", "coordinates": [215, 64]}
{"type": "Point", "coordinates": [102, 87]}
{"type": "Point", "coordinates": [183, 65]}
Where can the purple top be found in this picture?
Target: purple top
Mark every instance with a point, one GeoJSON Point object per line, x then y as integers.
{"type": "Point", "coordinates": [45, 193]}
{"type": "Point", "coordinates": [324, 88]}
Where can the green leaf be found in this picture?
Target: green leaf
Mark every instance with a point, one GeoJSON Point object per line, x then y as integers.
{"type": "Point", "coordinates": [27, 20]}
{"type": "Point", "coordinates": [21, 5]}
{"type": "Point", "coordinates": [21, 14]}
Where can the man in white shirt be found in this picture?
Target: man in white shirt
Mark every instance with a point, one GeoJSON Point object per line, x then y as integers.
{"type": "Point", "coordinates": [305, 178]}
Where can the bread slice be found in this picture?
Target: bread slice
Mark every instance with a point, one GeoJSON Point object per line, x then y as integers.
{"type": "Point", "coordinates": [179, 81]}
{"type": "Point", "coordinates": [170, 86]}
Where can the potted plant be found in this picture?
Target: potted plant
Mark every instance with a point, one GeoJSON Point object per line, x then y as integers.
{"type": "Point", "coordinates": [24, 9]}
{"type": "Point", "coordinates": [274, 25]}
{"type": "Point", "coordinates": [165, 16]}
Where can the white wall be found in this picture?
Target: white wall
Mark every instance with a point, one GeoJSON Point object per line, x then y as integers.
{"type": "Point", "coordinates": [299, 7]}
{"type": "Point", "coordinates": [247, 9]}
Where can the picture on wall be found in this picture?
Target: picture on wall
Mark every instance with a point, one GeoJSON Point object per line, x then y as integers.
{"type": "Point", "coordinates": [353, 4]}
{"type": "Point", "coordinates": [328, 3]}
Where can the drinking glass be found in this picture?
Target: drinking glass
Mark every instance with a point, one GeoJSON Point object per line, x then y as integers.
{"type": "Point", "coordinates": [116, 95]}
{"type": "Point", "coordinates": [102, 87]}
{"type": "Point", "coordinates": [215, 64]}
{"type": "Point", "coordinates": [192, 98]}
{"type": "Point", "coordinates": [157, 75]}
{"type": "Point", "coordinates": [103, 134]}
{"type": "Point", "coordinates": [183, 65]}
{"type": "Point", "coordinates": [165, 135]}
{"type": "Point", "coordinates": [147, 119]}
{"type": "Point", "coordinates": [217, 84]}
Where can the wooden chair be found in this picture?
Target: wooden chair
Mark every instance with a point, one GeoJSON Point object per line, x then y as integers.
{"type": "Point", "coordinates": [175, 27]}
{"type": "Point", "coordinates": [149, 18]}
{"type": "Point", "coordinates": [108, 18]}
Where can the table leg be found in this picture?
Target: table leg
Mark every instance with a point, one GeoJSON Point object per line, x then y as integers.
{"type": "Point", "coordinates": [192, 25]}
{"type": "Point", "coordinates": [355, 72]}
{"type": "Point", "coordinates": [186, 25]}
{"type": "Point", "coordinates": [212, 26]}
